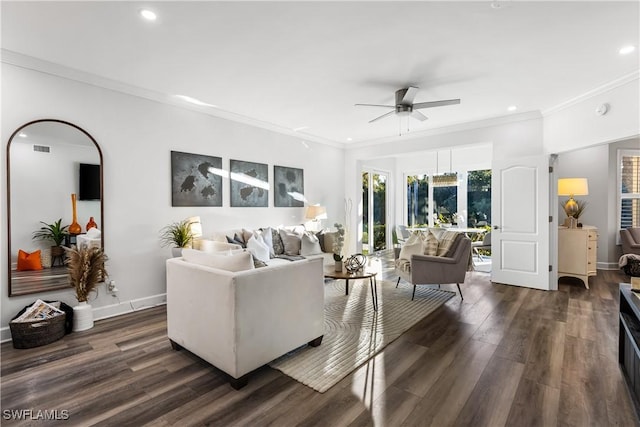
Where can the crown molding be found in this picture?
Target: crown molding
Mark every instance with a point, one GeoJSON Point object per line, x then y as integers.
{"type": "Point", "coordinates": [621, 81]}
{"type": "Point", "coordinates": [456, 127]}
{"type": "Point", "coordinates": [51, 68]}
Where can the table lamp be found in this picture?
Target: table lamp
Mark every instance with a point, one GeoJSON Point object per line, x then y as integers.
{"type": "Point", "coordinates": [316, 213]}
{"type": "Point", "coordinates": [196, 231]}
{"type": "Point", "coordinates": [572, 187]}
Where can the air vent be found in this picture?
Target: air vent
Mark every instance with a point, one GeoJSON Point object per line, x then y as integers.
{"type": "Point", "coordinates": [42, 148]}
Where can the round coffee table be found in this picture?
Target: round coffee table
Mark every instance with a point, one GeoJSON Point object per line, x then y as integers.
{"type": "Point", "coordinates": [343, 275]}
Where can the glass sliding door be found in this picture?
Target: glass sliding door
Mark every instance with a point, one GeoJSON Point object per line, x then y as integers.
{"type": "Point", "coordinates": [417, 200]}
{"type": "Point", "coordinates": [374, 212]}
{"type": "Point", "coordinates": [445, 198]}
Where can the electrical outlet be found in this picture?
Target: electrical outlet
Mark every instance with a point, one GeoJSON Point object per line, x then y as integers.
{"type": "Point", "coordinates": [111, 287]}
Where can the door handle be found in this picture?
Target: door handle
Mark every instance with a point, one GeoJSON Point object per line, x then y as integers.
{"type": "Point", "coordinates": [496, 227]}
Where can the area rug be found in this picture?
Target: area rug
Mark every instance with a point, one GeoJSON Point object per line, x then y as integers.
{"type": "Point", "coordinates": [354, 332]}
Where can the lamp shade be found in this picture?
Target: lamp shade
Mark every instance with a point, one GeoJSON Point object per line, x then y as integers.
{"type": "Point", "coordinates": [196, 226]}
{"type": "Point", "coordinates": [573, 187]}
{"type": "Point", "coordinates": [316, 212]}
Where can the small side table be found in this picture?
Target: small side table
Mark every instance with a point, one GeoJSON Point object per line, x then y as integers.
{"type": "Point", "coordinates": [337, 275]}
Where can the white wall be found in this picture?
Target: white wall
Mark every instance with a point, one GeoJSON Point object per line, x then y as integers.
{"type": "Point", "coordinates": [518, 136]}
{"type": "Point", "coordinates": [577, 126]}
{"type": "Point", "coordinates": [591, 163]}
{"type": "Point", "coordinates": [136, 136]}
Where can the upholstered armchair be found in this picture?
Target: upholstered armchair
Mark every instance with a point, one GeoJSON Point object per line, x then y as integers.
{"type": "Point", "coordinates": [630, 238]}
{"type": "Point", "coordinates": [438, 270]}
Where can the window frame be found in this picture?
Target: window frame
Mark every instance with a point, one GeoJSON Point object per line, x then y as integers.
{"type": "Point", "coordinates": [627, 152]}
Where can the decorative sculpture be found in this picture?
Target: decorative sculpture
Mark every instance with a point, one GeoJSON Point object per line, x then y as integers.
{"type": "Point", "coordinates": [355, 263]}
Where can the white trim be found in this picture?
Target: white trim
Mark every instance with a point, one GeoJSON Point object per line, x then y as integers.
{"type": "Point", "coordinates": [105, 312]}
{"type": "Point", "coordinates": [593, 92]}
{"type": "Point", "coordinates": [607, 266]}
{"type": "Point", "coordinates": [456, 127]}
{"type": "Point", "coordinates": [46, 67]}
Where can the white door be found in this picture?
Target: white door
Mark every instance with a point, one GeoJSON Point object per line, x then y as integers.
{"type": "Point", "coordinates": [520, 216]}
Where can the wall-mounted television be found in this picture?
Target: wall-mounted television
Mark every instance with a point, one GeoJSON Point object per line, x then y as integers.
{"type": "Point", "coordinates": [89, 182]}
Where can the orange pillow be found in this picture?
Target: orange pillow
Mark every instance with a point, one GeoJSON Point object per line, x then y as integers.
{"type": "Point", "coordinates": [28, 261]}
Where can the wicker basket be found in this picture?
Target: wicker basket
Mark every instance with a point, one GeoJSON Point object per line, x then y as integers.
{"type": "Point", "coordinates": [37, 333]}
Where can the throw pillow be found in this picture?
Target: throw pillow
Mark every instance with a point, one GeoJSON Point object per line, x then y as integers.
{"type": "Point", "coordinates": [309, 244]}
{"type": "Point", "coordinates": [235, 262]}
{"type": "Point", "coordinates": [329, 241]}
{"type": "Point", "coordinates": [454, 246]}
{"type": "Point", "coordinates": [276, 240]}
{"type": "Point", "coordinates": [409, 249]}
{"type": "Point", "coordinates": [446, 240]}
{"type": "Point", "coordinates": [430, 244]}
{"type": "Point", "coordinates": [416, 236]}
{"type": "Point", "coordinates": [291, 241]}
{"type": "Point", "coordinates": [246, 235]}
{"type": "Point", "coordinates": [258, 248]}
{"type": "Point", "coordinates": [267, 235]}
{"type": "Point", "coordinates": [320, 236]}
{"type": "Point", "coordinates": [29, 261]}
{"type": "Point", "coordinates": [234, 241]}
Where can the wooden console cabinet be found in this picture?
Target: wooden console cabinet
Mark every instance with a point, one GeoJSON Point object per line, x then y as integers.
{"type": "Point", "coordinates": [577, 249]}
{"type": "Point", "coordinates": [629, 340]}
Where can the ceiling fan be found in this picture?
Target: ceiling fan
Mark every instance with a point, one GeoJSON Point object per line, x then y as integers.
{"type": "Point", "coordinates": [405, 106]}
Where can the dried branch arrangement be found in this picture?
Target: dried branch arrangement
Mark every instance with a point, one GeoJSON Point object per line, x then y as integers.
{"type": "Point", "coordinates": [86, 268]}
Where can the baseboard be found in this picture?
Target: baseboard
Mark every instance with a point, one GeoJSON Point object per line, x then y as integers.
{"type": "Point", "coordinates": [607, 266]}
{"type": "Point", "coordinates": [107, 311]}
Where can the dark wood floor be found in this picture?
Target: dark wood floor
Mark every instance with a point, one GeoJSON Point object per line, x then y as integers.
{"type": "Point", "coordinates": [503, 356]}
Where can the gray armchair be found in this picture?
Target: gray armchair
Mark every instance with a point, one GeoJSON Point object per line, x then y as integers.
{"type": "Point", "coordinates": [437, 270]}
{"type": "Point", "coordinates": [630, 239]}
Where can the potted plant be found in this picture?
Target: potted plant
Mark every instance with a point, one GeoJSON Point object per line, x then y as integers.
{"type": "Point", "coordinates": [178, 235]}
{"type": "Point", "coordinates": [55, 233]}
{"type": "Point", "coordinates": [337, 246]}
{"type": "Point", "coordinates": [86, 267]}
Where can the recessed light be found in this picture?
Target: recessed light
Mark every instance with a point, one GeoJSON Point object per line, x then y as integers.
{"type": "Point", "coordinates": [512, 108]}
{"type": "Point", "coordinates": [349, 139]}
{"type": "Point", "coordinates": [625, 50]}
{"type": "Point", "coordinates": [195, 101]}
{"type": "Point", "coordinates": [22, 135]}
{"type": "Point", "coordinates": [298, 129]}
{"type": "Point", "coordinates": [147, 14]}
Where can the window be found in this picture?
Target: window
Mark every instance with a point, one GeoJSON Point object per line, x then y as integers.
{"type": "Point", "coordinates": [629, 188]}
{"type": "Point", "coordinates": [479, 198]}
{"type": "Point", "coordinates": [449, 198]}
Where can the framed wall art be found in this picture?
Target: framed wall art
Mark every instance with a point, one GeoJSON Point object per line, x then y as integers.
{"type": "Point", "coordinates": [288, 185]}
{"type": "Point", "coordinates": [249, 184]}
{"type": "Point", "coordinates": [195, 180]}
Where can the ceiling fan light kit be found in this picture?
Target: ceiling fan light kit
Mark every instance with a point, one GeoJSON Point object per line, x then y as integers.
{"type": "Point", "coordinates": [404, 105]}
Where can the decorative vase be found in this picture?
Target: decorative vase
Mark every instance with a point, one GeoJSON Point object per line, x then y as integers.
{"type": "Point", "coordinates": [82, 317]}
{"type": "Point", "coordinates": [176, 252]}
{"type": "Point", "coordinates": [338, 265]}
{"type": "Point", "coordinates": [91, 223]}
{"type": "Point", "coordinates": [74, 228]}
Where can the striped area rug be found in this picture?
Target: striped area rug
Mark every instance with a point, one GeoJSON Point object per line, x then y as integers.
{"type": "Point", "coordinates": [354, 332]}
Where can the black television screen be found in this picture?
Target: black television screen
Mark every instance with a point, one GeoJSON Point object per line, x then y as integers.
{"type": "Point", "coordinates": [89, 182]}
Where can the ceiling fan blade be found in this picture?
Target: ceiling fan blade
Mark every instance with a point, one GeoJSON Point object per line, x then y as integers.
{"type": "Point", "coordinates": [383, 116]}
{"type": "Point", "coordinates": [374, 105]}
{"type": "Point", "coordinates": [409, 95]}
{"type": "Point", "coordinates": [418, 115]}
{"type": "Point", "coordinates": [436, 103]}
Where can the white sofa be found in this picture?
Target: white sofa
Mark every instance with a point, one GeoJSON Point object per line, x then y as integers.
{"type": "Point", "coordinates": [239, 321]}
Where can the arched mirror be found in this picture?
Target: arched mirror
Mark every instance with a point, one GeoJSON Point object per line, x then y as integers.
{"type": "Point", "coordinates": [48, 161]}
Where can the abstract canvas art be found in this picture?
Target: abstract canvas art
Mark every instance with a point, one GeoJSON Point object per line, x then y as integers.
{"type": "Point", "coordinates": [249, 184]}
{"type": "Point", "coordinates": [288, 187]}
{"type": "Point", "coordinates": [195, 180]}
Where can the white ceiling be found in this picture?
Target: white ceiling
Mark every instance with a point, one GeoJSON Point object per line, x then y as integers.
{"type": "Point", "coordinates": [302, 65]}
